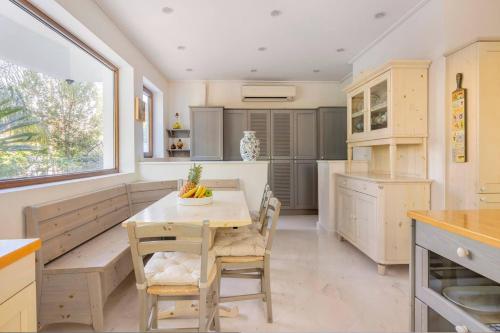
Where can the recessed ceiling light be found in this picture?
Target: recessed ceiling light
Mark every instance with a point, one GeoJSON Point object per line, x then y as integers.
{"type": "Point", "coordinates": [316, 70]}
{"type": "Point", "coordinates": [253, 70]}
{"type": "Point", "coordinates": [181, 47]}
{"type": "Point", "coordinates": [189, 69]}
{"type": "Point", "coordinates": [275, 13]}
{"type": "Point", "coordinates": [341, 49]}
{"type": "Point", "coordinates": [262, 48]}
{"type": "Point", "coordinates": [167, 10]}
{"type": "Point", "coordinates": [380, 15]}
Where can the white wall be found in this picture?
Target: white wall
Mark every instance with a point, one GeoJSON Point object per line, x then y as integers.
{"type": "Point", "coordinates": [310, 94]}
{"type": "Point", "coordinates": [86, 20]}
{"type": "Point", "coordinates": [437, 27]}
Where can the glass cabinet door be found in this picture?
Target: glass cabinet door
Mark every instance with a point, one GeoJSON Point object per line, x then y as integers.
{"type": "Point", "coordinates": [473, 293]}
{"type": "Point", "coordinates": [358, 113]}
{"type": "Point", "coordinates": [378, 106]}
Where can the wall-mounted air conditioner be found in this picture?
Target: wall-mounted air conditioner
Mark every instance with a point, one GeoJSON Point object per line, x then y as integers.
{"type": "Point", "coordinates": [261, 93]}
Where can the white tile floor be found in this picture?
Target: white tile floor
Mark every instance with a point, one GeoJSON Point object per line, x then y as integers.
{"type": "Point", "coordinates": [318, 284]}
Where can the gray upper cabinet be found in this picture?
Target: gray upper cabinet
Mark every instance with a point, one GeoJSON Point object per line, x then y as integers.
{"type": "Point", "coordinates": [235, 122]}
{"type": "Point", "coordinates": [281, 134]}
{"type": "Point", "coordinates": [305, 143]}
{"type": "Point", "coordinates": [332, 133]}
{"type": "Point", "coordinates": [260, 122]}
{"type": "Point", "coordinates": [282, 182]}
{"type": "Point", "coordinates": [206, 133]}
{"type": "Point", "coordinates": [306, 193]}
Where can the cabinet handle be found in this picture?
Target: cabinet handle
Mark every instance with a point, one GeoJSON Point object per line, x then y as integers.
{"type": "Point", "coordinates": [461, 329]}
{"type": "Point", "coordinates": [482, 188]}
{"type": "Point", "coordinates": [462, 253]}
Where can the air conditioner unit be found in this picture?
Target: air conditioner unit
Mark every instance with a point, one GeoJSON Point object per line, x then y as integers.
{"type": "Point", "coordinates": [268, 93]}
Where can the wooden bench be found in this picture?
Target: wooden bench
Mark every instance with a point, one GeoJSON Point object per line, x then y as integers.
{"type": "Point", "coordinates": [85, 253]}
{"type": "Point", "coordinates": [218, 184]}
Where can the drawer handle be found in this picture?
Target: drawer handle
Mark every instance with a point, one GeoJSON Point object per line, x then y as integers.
{"type": "Point", "coordinates": [461, 329]}
{"type": "Point", "coordinates": [483, 199]}
{"type": "Point", "coordinates": [462, 253]}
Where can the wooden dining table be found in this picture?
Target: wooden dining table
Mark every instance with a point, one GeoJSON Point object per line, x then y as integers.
{"type": "Point", "coordinates": [229, 209]}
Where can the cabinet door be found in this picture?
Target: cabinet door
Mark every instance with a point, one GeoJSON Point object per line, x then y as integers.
{"type": "Point", "coordinates": [345, 213]}
{"type": "Point", "coordinates": [281, 134]}
{"type": "Point", "coordinates": [306, 175]}
{"type": "Point", "coordinates": [18, 313]}
{"type": "Point", "coordinates": [206, 134]}
{"type": "Point", "coordinates": [305, 134]}
{"type": "Point", "coordinates": [260, 122]}
{"type": "Point", "coordinates": [365, 218]}
{"type": "Point", "coordinates": [332, 133]}
{"type": "Point", "coordinates": [282, 182]}
{"type": "Point", "coordinates": [235, 122]}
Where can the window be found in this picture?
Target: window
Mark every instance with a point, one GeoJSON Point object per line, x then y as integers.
{"type": "Point", "coordinates": [58, 102]}
{"type": "Point", "coordinates": [147, 125]}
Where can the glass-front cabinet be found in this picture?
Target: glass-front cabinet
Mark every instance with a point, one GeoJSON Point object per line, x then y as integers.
{"type": "Point", "coordinates": [378, 104]}
{"type": "Point", "coordinates": [358, 113]}
{"type": "Point", "coordinates": [468, 300]}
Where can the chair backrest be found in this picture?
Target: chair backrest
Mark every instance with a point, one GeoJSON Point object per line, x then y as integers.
{"type": "Point", "coordinates": [63, 225]}
{"type": "Point", "coordinates": [218, 184]}
{"type": "Point", "coordinates": [144, 193]}
{"type": "Point", "coordinates": [271, 221]}
{"type": "Point", "coordinates": [149, 238]}
{"type": "Point", "coordinates": [266, 196]}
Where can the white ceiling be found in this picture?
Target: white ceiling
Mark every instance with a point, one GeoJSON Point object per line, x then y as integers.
{"type": "Point", "coordinates": [222, 36]}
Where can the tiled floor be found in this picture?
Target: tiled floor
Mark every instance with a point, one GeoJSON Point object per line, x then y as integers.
{"type": "Point", "coordinates": [318, 283]}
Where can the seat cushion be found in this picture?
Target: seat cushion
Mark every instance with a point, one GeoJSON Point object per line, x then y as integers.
{"type": "Point", "coordinates": [175, 268]}
{"type": "Point", "coordinates": [244, 243]}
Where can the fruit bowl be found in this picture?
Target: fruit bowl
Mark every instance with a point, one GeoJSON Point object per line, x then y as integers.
{"type": "Point", "coordinates": [195, 201]}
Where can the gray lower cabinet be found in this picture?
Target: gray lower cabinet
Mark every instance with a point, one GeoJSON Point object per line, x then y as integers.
{"type": "Point", "coordinates": [305, 184]}
{"type": "Point", "coordinates": [442, 261]}
{"type": "Point", "coordinates": [206, 133]}
{"type": "Point", "coordinates": [305, 135]}
{"type": "Point", "coordinates": [235, 122]}
{"type": "Point", "coordinates": [332, 133]}
{"type": "Point", "coordinates": [282, 182]}
{"type": "Point", "coordinates": [260, 122]}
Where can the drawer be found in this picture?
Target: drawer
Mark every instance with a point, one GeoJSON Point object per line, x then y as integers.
{"type": "Point", "coordinates": [358, 185]}
{"type": "Point", "coordinates": [489, 201]}
{"type": "Point", "coordinates": [17, 276]}
{"type": "Point", "coordinates": [474, 255]}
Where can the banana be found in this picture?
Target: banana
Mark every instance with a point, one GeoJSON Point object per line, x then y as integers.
{"type": "Point", "coordinates": [202, 194]}
{"type": "Point", "coordinates": [189, 193]}
{"type": "Point", "coordinates": [198, 191]}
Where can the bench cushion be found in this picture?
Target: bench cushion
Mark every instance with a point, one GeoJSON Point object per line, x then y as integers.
{"type": "Point", "coordinates": [175, 268]}
{"type": "Point", "coordinates": [95, 254]}
{"type": "Point", "coordinates": [247, 243]}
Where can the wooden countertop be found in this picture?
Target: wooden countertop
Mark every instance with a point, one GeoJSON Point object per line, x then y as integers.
{"type": "Point", "coordinates": [12, 250]}
{"type": "Point", "coordinates": [481, 225]}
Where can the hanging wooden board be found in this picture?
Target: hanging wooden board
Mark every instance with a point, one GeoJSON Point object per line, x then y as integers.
{"type": "Point", "coordinates": [458, 123]}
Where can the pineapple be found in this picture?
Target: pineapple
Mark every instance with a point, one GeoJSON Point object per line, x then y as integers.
{"type": "Point", "coordinates": [193, 179]}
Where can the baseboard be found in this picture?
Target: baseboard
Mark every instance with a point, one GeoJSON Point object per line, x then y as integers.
{"type": "Point", "coordinates": [321, 226]}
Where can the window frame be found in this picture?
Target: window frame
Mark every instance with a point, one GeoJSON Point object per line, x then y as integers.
{"type": "Point", "coordinates": [149, 93]}
{"type": "Point", "coordinates": [39, 15]}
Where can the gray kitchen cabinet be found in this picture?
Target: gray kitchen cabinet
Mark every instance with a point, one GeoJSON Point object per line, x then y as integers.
{"type": "Point", "coordinates": [235, 122]}
{"type": "Point", "coordinates": [282, 182]}
{"type": "Point", "coordinates": [206, 133]}
{"type": "Point", "coordinates": [332, 133]}
{"type": "Point", "coordinates": [305, 184]}
{"type": "Point", "coordinates": [281, 134]}
{"type": "Point", "coordinates": [305, 135]}
{"type": "Point", "coordinates": [260, 122]}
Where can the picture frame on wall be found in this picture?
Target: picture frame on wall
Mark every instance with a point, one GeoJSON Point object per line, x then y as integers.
{"type": "Point", "coordinates": [459, 123]}
{"type": "Point", "coordinates": [140, 109]}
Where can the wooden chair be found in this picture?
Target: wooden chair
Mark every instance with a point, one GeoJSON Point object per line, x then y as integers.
{"type": "Point", "coordinates": [217, 184]}
{"type": "Point", "coordinates": [191, 242]}
{"type": "Point", "coordinates": [259, 216]}
{"type": "Point", "coordinates": [247, 255]}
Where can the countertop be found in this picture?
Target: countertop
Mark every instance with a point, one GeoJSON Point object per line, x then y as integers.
{"type": "Point", "coordinates": [167, 162]}
{"type": "Point", "coordinates": [12, 250]}
{"type": "Point", "coordinates": [383, 178]}
{"type": "Point", "coordinates": [481, 225]}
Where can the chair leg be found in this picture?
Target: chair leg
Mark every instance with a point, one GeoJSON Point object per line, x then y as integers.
{"type": "Point", "coordinates": [202, 311]}
{"type": "Point", "coordinates": [267, 280]}
{"type": "Point", "coordinates": [143, 311]}
{"type": "Point", "coordinates": [216, 305]}
{"type": "Point", "coordinates": [154, 315]}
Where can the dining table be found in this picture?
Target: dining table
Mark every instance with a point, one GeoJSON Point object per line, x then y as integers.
{"type": "Point", "coordinates": [228, 209]}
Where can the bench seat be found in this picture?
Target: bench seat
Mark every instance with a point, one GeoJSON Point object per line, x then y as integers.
{"type": "Point", "coordinates": [94, 255]}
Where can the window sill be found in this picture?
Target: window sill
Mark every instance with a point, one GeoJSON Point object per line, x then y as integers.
{"type": "Point", "coordinates": [66, 182]}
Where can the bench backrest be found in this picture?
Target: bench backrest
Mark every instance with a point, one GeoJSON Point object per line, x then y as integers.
{"type": "Point", "coordinates": [63, 225]}
{"type": "Point", "coordinates": [219, 184]}
{"type": "Point", "coordinates": [143, 194]}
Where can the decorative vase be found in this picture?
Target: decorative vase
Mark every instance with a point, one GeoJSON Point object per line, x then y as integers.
{"type": "Point", "coordinates": [177, 124]}
{"type": "Point", "coordinates": [249, 146]}
{"type": "Point", "coordinates": [180, 144]}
